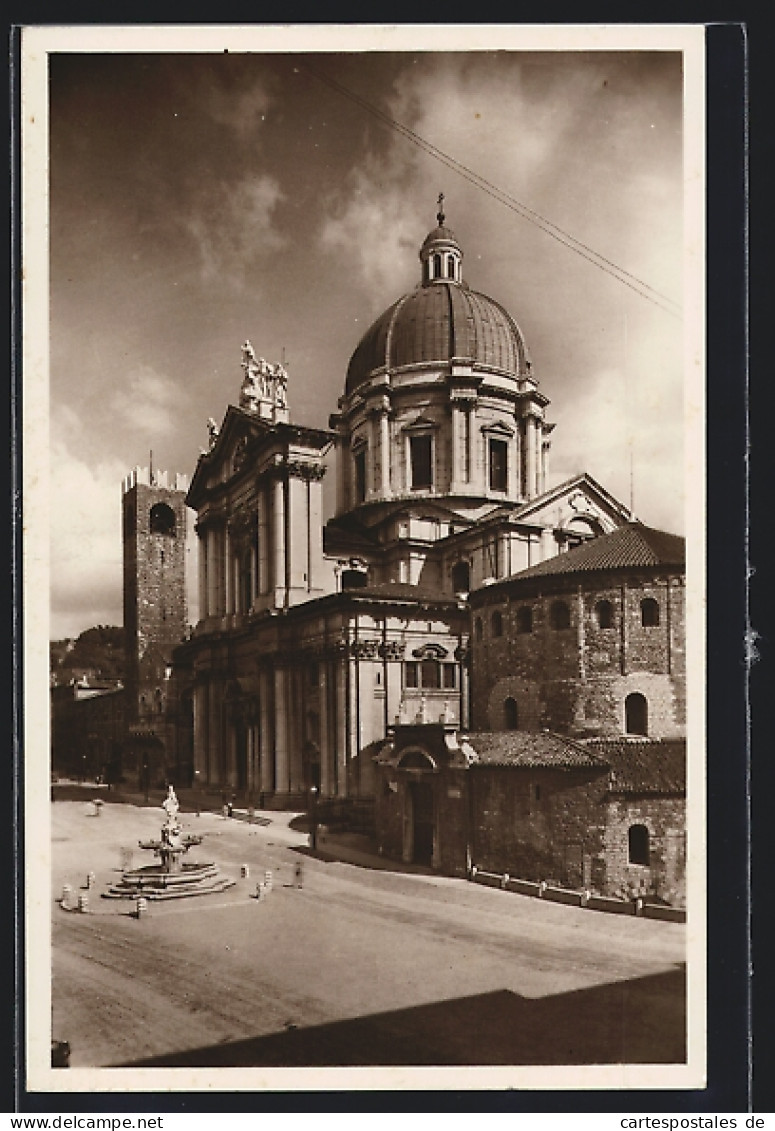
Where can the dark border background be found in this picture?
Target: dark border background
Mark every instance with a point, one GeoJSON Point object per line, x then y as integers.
{"type": "Point", "coordinates": [730, 1077]}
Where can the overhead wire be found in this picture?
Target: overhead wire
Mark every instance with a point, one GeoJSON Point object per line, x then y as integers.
{"type": "Point", "coordinates": [645, 290]}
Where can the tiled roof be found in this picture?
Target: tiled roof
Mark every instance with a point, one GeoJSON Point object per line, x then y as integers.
{"type": "Point", "coordinates": [643, 765]}
{"type": "Point", "coordinates": [530, 748]}
{"type": "Point", "coordinates": [630, 546]}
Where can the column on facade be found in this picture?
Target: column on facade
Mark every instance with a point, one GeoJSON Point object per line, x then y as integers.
{"type": "Point", "coordinates": [512, 484]}
{"type": "Point", "coordinates": [342, 456]}
{"type": "Point", "coordinates": [341, 744]}
{"type": "Point", "coordinates": [210, 571]}
{"type": "Point", "coordinates": [278, 533]}
{"type": "Point", "coordinates": [326, 767]}
{"type": "Point", "coordinates": [353, 728]}
{"type": "Point", "coordinates": [623, 633]}
{"type": "Point", "coordinates": [202, 544]}
{"type": "Point", "coordinates": [200, 732]}
{"type": "Point", "coordinates": [457, 471]}
{"type": "Point", "coordinates": [473, 471]}
{"type": "Point", "coordinates": [281, 752]}
{"type": "Point", "coordinates": [228, 576]}
{"type": "Point", "coordinates": [263, 541]}
{"type": "Point", "coordinates": [265, 748]}
{"type": "Point", "coordinates": [296, 728]}
{"type": "Point", "coordinates": [213, 770]}
{"type": "Point", "coordinates": [544, 450]}
{"type": "Point", "coordinates": [384, 450]}
{"type": "Point", "coordinates": [372, 486]}
{"type": "Point", "coordinates": [530, 441]}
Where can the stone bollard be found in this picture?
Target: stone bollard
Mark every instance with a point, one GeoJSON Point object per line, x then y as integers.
{"type": "Point", "coordinates": [91, 880]}
{"type": "Point", "coordinates": [639, 906]}
{"type": "Point", "coordinates": [585, 897]}
{"type": "Point", "coordinates": [67, 895]}
{"type": "Point", "coordinates": [225, 811]}
{"type": "Point", "coordinates": [83, 902]}
{"type": "Point", "coordinates": [541, 889]}
{"type": "Point", "coordinates": [505, 880]}
{"type": "Point", "coordinates": [141, 906]}
{"type": "Point", "coordinates": [245, 871]}
{"type": "Point", "coordinates": [251, 814]}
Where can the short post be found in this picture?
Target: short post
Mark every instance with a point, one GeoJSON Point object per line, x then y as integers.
{"type": "Point", "coordinates": [245, 871]}
{"type": "Point", "coordinates": [505, 880]}
{"type": "Point", "coordinates": [251, 814]}
{"type": "Point", "coordinates": [639, 906]}
{"type": "Point", "coordinates": [585, 897]}
{"type": "Point", "coordinates": [91, 880]}
{"type": "Point", "coordinates": [67, 895]}
{"type": "Point", "coordinates": [268, 881]}
{"type": "Point", "coordinates": [313, 818]}
{"type": "Point", "coordinates": [141, 906]}
{"type": "Point", "coordinates": [83, 902]}
{"type": "Point", "coordinates": [541, 889]}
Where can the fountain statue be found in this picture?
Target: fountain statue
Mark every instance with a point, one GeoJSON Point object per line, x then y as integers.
{"type": "Point", "coordinates": [173, 877]}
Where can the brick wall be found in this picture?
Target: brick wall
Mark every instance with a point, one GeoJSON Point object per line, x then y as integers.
{"type": "Point", "coordinates": [575, 679]}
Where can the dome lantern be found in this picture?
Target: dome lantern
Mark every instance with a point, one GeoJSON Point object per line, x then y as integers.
{"type": "Point", "coordinates": [441, 255]}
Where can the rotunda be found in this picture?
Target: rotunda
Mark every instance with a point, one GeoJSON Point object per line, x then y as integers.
{"type": "Point", "coordinates": [440, 401]}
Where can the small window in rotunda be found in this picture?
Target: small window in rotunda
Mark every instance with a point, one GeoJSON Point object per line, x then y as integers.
{"type": "Point", "coordinates": [524, 619]}
{"type": "Point", "coordinates": [450, 267]}
{"type": "Point", "coordinates": [497, 624]}
{"type": "Point", "coordinates": [510, 714]}
{"type": "Point", "coordinates": [649, 612]}
{"type": "Point", "coordinates": [638, 844]}
{"type": "Point", "coordinates": [437, 266]}
{"type": "Point", "coordinates": [604, 614]}
{"type": "Point", "coordinates": [559, 616]}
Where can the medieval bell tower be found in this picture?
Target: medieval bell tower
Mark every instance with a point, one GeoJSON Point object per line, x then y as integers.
{"type": "Point", "coordinates": [154, 539]}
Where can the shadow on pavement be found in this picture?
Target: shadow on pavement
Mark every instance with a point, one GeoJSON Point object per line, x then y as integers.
{"type": "Point", "coordinates": [640, 1021]}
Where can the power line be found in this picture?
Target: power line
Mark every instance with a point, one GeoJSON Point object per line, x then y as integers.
{"type": "Point", "coordinates": [645, 290]}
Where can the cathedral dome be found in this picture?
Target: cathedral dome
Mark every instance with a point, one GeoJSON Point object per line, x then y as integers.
{"type": "Point", "coordinates": [441, 320]}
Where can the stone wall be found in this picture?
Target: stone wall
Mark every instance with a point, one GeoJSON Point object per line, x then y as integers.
{"type": "Point", "coordinates": [575, 679]}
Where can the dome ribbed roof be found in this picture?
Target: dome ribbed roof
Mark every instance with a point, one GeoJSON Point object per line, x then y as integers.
{"type": "Point", "coordinates": [438, 322]}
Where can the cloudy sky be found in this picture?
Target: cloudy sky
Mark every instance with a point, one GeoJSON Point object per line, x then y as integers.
{"type": "Point", "coordinates": [197, 200]}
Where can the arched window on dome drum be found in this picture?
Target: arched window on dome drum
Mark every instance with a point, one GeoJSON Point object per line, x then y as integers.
{"type": "Point", "coordinates": [359, 467]}
{"type": "Point", "coordinates": [162, 520]}
{"type": "Point", "coordinates": [636, 714]}
{"type": "Point", "coordinates": [497, 623]}
{"type": "Point", "coordinates": [450, 267]}
{"type": "Point", "coordinates": [421, 458]}
{"type": "Point", "coordinates": [437, 266]}
{"type": "Point", "coordinates": [604, 614]}
{"type": "Point", "coordinates": [524, 619]}
{"type": "Point", "coordinates": [649, 612]}
{"type": "Point", "coordinates": [559, 616]}
{"type": "Point", "coordinates": [498, 465]}
{"type": "Point", "coordinates": [510, 714]}
{"type": "Point", "coordinates": [461, 577]}
{"type": "Point", "coordinates": [638, 844]}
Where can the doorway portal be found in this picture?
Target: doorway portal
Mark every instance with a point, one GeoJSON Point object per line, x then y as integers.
{"type": "Point", "coordinates": [422, 822]}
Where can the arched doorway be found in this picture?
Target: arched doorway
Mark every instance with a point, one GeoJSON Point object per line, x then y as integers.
{"type": "Point", "coordinates": [422, 822]}
{"type": "Point", "coordinates": [419, 808]}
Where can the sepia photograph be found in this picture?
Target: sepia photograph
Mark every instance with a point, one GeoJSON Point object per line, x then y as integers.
{"type": "Point", "coordinates": [363, 418]}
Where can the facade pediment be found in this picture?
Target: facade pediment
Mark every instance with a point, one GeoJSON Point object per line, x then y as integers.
{"type": "Point", "coordinates": [580, 505]}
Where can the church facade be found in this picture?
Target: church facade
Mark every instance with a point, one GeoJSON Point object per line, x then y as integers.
{"type": "Point", "coordinates": [315, 640]}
